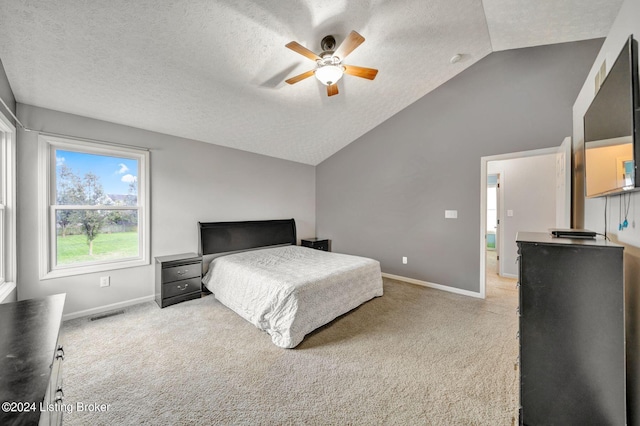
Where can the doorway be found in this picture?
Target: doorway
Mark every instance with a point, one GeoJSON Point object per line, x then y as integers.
{"type": "Point", "coordinates": [533, 195]}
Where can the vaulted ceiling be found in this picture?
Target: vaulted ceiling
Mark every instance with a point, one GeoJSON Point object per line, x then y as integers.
{"type": "Point", "coordinates": [214, 71]}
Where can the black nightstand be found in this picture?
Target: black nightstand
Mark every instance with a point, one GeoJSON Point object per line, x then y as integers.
{"type": "Point", "coordinates": [316, 243]}
{"type": "Point", "coordinates": [178, 278]}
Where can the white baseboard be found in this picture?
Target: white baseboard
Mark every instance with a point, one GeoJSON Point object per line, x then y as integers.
{"type": "Point", "coordinates": [107, 308]}
{"type": "Point", "coordinates": [433, 285]}
{"type": "Point", "coordinates": [131, 302]}
{"type": "Point", "coordinates": [509, 276]}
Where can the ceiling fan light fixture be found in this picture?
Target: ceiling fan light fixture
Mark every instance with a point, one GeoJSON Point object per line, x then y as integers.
{"type": "Point", "coordinates": [329, 68]}
{"type": "Point", "coordinates": [329, 74]}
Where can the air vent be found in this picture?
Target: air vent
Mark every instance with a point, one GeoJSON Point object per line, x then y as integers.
{"type": "Point", "coordinates": [107, 315]}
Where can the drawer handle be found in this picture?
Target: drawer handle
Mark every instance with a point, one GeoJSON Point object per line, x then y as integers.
{"type": "Point", "coordinates": [179, 272]}
{"type": "Point", "coordinates": [183, 287]}
{"type": "Point", "coordinates": [59, 398]}
{"type": "Point", "coordinates": [60, 353]}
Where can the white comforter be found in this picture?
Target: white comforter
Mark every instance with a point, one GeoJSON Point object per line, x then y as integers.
{"type": "Point", "coordinates": [290, 291]}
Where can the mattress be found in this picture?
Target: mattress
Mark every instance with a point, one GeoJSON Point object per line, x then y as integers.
{"type": "Point", "coordinates": [290, 291]}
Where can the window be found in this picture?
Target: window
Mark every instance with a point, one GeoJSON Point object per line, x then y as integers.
{"type": "Point", "coordinates": [7, 206]}
{"type": "Point", "coordinates": [94, 214]}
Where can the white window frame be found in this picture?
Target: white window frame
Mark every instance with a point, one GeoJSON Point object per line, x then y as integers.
{"type": "Point", "coordinates": [8, 248]}
{"type": "Point", "coordinates": [47, 207]}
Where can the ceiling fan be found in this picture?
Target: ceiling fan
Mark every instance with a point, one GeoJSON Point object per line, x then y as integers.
{"type": "Point", "coordinates": [330, 69]}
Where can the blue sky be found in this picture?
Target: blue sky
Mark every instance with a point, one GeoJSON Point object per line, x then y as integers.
{"type": "Point", "coordinates": [115, 172]}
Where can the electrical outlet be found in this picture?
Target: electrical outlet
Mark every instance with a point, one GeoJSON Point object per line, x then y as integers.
{"type": "Point", "coordinates": [404, 260]}
{"type": "Point", "coordinates": [105, 281]}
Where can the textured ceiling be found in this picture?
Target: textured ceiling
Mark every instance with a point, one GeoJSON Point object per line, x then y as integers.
{"type": "Point", "coordinates": [215, 71]}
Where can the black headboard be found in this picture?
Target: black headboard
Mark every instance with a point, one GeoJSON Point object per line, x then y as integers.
{"type": "Point", "coordinates": [222, 237]}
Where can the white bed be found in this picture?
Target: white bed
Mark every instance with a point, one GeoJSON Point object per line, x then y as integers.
{"type": "Point", "coordinates": [290, 291]}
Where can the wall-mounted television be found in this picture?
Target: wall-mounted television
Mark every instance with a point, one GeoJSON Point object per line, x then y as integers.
{"type": "Point", "coordinates": [611, 134]}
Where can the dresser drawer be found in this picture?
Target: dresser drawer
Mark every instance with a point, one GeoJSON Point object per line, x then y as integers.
{"type": "Point", "coordinates": [55, 383]}
{"type": "Point", "coordinates": [178, 288]}
{"type": "Point", "coordinates": [54, 397]}
{"type": "Point", "coordinates": [181, 272]}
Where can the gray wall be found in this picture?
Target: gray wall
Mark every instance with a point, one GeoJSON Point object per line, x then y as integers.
{"type": "Point", "coordinates": [190, 181]}
{"type": "Point", "coordinates": [384, 195]}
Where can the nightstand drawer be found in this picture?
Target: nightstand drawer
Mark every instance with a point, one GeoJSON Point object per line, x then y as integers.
{"type": "Point", "coordinates": [181, 272]}
{"type": "Point", "coordinates": [178, 288]}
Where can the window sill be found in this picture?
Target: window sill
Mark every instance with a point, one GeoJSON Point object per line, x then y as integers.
{"type": "Point", "coordinates": [92, 269]}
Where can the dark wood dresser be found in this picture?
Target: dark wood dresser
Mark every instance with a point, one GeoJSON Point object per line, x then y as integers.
{"type": "Point", "coordinates": [178, 278]}
{"type": "Point", "coordinates": [572, 331]}
{"type": "Point", "coordinates": [31, 358]}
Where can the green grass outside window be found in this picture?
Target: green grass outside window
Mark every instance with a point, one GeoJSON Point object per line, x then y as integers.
{"type": "Point", "coordinates": [73, 249]}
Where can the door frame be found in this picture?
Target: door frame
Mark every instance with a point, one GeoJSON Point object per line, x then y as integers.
{"type": "Point", "coordinates": [483, 201]}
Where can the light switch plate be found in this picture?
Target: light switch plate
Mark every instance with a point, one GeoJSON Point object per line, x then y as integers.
{"type": "Point", "coordinates": [451, 214]}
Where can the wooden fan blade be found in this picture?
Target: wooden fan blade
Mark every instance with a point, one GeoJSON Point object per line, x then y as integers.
{"type": "Point", "coordinates": [298, 48]}
{"type": "Point", "coordinates": [297, 78]}
{"type": "Point", "coordinates": [368, 73]}
{"type": "Point", "coordinates": [332, 89]}
{"type": "Point", "coordinates": [352, 41]}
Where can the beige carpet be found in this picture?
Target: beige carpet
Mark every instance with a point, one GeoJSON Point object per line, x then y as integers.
{"type": "Point", "coordinates": [414, 356]}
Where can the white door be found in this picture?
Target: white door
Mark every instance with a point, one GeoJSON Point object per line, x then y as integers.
{"type": "Point", "coordinates": [493, 218]}
{"type": "Point", "coordinates": [498, 225]}
{"type": "Point", "coordinates": [563, 184]}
